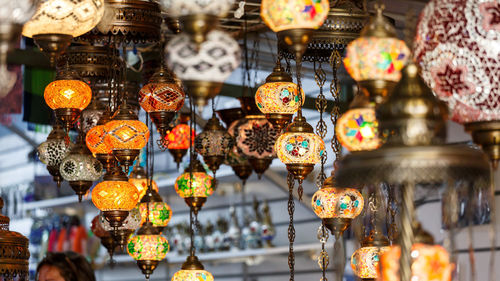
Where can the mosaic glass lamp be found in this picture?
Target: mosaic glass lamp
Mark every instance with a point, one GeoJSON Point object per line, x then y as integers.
{"type": "Point", "coordinates": [148, 248]}
{"type": "Point", "coordinates": [365, 260]}
{"type": "Point", "coordinates": [96, 144]}
{"type": "Point", "coordinates": [213, 143]}
{"type": "Point", "coordinates": [160, 212]}
{"type": "Point", "coordinates": [139, 179]}
{"type": "Point", "coordinates": [196, 190]}
{"type": "Point", "coordinates": [192, 270]}
{"type": "Point", "coordinates": [52, 151]}
{"type": "Point", "coordinates": [178, 139]}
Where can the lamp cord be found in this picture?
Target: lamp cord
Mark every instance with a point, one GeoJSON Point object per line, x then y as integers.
{"type": "Point", "coordinates": [291, 228]}
{"type": "Point", "coordinates": [298, 65]}
{"type": "Point", "coordinates": [335, 59]}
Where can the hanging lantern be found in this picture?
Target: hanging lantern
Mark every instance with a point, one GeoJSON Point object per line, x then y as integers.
{"type": "Point", "coordinates": [192, 270]}
{"type": "Point", "coordinates": [337, 207]}
{"type": "Point", "coordinates": [139, 179]}
{"type": "Point", "coordinates": [148, 247]}
{"type": "Point", "coordinates": [80, 169]}
{"type": "Point", "coordinates": [106, 240]}
{"type": "Point", "coordinates": [294, 20]}
{"type": "Point", "coordinates": [91, 115]}
{"type": "Point", "coordinates": [278, 98]}
{"type": "Point", "coordinates": [203, 68]}
{"type": "Point", "coordinates": [196, 190]}
{"type": "Point", "coordinates": [365, 260]}
{"type": "Point", "coordinates": [56, 22]}
{"type": "Point", "coordinates": [115, 196]}
{"type": "Point", "coordinates": [178, 139]}
{"type": "Point", "coordinates": [299, 148]}
{"type": "Point", "coordinates": [462, 67]}
{"type": "Point", "coordinates": [357, 128]}
{"type": "Point", "coordinates": [376, 58]}
{"type": "Point", "coordinates": [122, 233]}
{"type": "Point", "coordinates": [95, 143]}
{"type": "Point", "coordinates": [161, 98]}
{"type": "Point", "coordinates": [126, 135]}
{"type": "Point", "coordinates": [53, 151]}
{"type": "Point", "coordinates": [67, 96]}
{"type": "Point", "coordinates": [214, 143]}
{"type": "Point", "coordinates": [160, 212]}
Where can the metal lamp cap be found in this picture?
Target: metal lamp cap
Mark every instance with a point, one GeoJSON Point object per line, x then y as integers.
{"type": "Point", "coordinates": [192, 263]}
{"type": "Point", "coordinates": [378, 26]}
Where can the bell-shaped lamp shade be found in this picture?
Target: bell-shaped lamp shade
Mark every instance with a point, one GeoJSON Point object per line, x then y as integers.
{"type": "Point", "coordinates": [178, 138]}
{"type": "Point", "coordinates": [67, 94]}
{"type": "Point", "coordinates": [282, 15]}
{"type": "Point", "coordinates": [157, 97]}
{"type": "Point", "coordinates": [299, 148]}
{"type": "Point", "coordinates": [115, 195]}
{"type": "Point", "coordinates": [192, 275]}
{"type": "Point", "coordinates": [337, 203]}
{"type": "Point", "coordinates": [178, 8]}
{"type": "Point", "coordinates": [74, 17]}
{"type": "Point", "coordinates": [365, 262]}
{"type": "Point", "coordinates": [126, 134]}
{"type": "Point", "coordinates": [201, 185]}
{"type": "Point", "coordinates": [278, 97]}
{"type": "Point", "coordinates": [357, 129]}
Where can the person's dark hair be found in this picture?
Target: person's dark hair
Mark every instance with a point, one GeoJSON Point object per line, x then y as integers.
{"type": "Point", "coordinates": [72, 266]}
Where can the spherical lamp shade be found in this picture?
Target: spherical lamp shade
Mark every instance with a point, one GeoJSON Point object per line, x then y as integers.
{"type": "Point", "coordinates": [97, 227]}
{"type": "Point", "coordinates": [365, 262]}
{"type": "Point", "coordinates": [337, 203]}
{"type": "Point", "coordinates": [214, 143]}
{"type": "Point", "coordinates": [142, 185]}
{"type": "Point", "coordinates": [148, 247]}
{"type": "Point", "coordinates": [115, 195]}
{"type": "Point", "coordinates": [126, 134]}
{"type": "Point", "coordinates": [178, 138]}
{"type": "Point", "coordinates": [278, 97]}
{"type": "Point", "coordinates": [95, 140]}
{"type": "Point", "coordinates": [192, 275]}
{"type": "Point", "coordinates": [357, 129]}
{"type": "Point", "coordinates": [299, 148]}
{"type": "Point", "coordinates": [255, 136]}
{"type": "Point", "coordinates": [80, 167]}
{"type": "Point", "coordinates": [282, 15]}
{"type": "Point", "coordinates": [154, 97]}
{"type": "Point", "coordinates": [70, 17]}
{"type": "Point", "coordinates": [67, 94]}
{"type": "Point", "coordinates": [430, 263]}
{"type": "Point", "coordinates": [201, 185]}
{"type": "Point", "coordinates": [160, 213]}
{"type": "Point", "coordinates": [53, 151]}
{"type": "Point", "coordinates": [178, 8]}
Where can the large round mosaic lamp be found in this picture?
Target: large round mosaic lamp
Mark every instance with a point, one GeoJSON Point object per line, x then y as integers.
{"type": "Point", "coordinates": [148, 248]}
{"type": "Point", "coordinates": [192, 270]}
{"type": "Point", "coordinates": [194, 185]}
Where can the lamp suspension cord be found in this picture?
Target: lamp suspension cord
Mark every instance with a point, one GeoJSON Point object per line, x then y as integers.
{"type": "Point", "coordinates": [291, 228]}
{"type": "Point", "coordinates": [298, 65]}
{"type": "Point", "coordinates": [335, 59]}
{"type": "Point", "coordinates": [406, 237]}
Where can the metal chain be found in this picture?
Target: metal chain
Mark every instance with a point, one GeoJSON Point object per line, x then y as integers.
{"type": "Point", "coordinates": [321, 127]}
{"type": "Point", "coordinates": [291, 228]}
{"type": "Point", "coordinates": [288, 67]}
{"type": "Point", "coordinates": [323, 259]}
{"type": "Point", "coordinates": [298, 65]}
{"type": "Point", "coordinates": [391, 201]}
{"type": "Point", "coordinates": [406, 237]}
{"type": "Point", "coordinates": [335, 60]}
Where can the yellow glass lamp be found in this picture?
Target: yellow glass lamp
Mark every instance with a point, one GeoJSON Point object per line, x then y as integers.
{"type": "Point", "coordinates": [196, 190]}
{"type": "Point", "coordinates": [139, 179]}
{"type": "Point", "coordinates": [148, 248]}
{"type": "Point", "coordinates": [365, 260]}
{"type": "Point", "coordinates": [192, 270]}
{"type": "Point", "coordinates": [67, 95]}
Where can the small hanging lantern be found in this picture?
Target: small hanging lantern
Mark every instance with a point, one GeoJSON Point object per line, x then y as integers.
{"type": "Point", "coordinates": [196, 190]}
{"type": "Point", "coordinates": [95, 143]}
{"type": "Point", "coordinates": [161, 98]}
{"type": "Point", "coordinates": [159, 212]}
{"type": "Point", "coordinates": [139, 179]}
{"type": "Point", "coordinates": [126, 135]}
{"type": "Point", "coordinates": [148, 248]}
{"type": "Point", "coordinates": [122, 233]}
{"type": "Point", "coordinates": [214, 143]}
{"type": "Point", "coordinates": [80, 169]}
{"type": "Point", "coordinates": [278, 98]}
{"type": "Point", "coordinates": [106, 240]}
{"type": "Point", "coordinates": [115, 196]}
{"type": "Point", "coordinates": [178, 139]}
{"type": "Point", "coordinates": [365, 260]}
{"type": "Point", "coordinates": [91, 114]}
{"type": "Point", "coordinates": [52, 151]}
{"type": "Point", "coordinates": [67, 95]}
{"type": "Point", "coordinates": [376, 58]}
{"type": "Point", "coordinates": [192, 270]}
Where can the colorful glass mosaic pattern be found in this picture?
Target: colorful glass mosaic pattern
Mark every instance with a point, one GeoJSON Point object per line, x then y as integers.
{"type": "Point", "coordinates": [148, 247]}
{"type": "Point", "coordinates": [161, 97]}
{"type": "Point", "coordinates": [52, 151]}
{"type": "Point", "coordinates": [115, 195]}
{"type": "Point", "coordinates": [80, 167]}
{"type": "Point", "coordinates": [337, 203]}
{"type": "Point", "coordinates": [178, 138]}
{"type": "Point", "coordinates": [142, 185]}
{"type": "Point", "coordinates": [254, 136]}
{"type": "Point", "coordinates": [193, 275]}
{"type": "Point", "coordinates": [365, 261]}
{"type": "Point", "coordinates": [234, 158]}
{"type": "Point", "coordinates": [278, 97]}
{"type": "Point", "coordinates": [131, 222]}
{"type": "Point", "coordinates": [372, 58]}
{"type": "Point", "coordinates": [457, 45]}
{"type": "Point", "coordinates": [213, 143]}
{"type": "Point", "coordinates": [282, 15]}
{"type": "Point", "coordinates": [160, 213]}
{"type": "Point", "coordinates": [95, 140]}
{"type": "Point", "coordinates": [67, 94]}
{"type": "Point", "coordinates": [430, 263]}
{"type": "Point", "coordinates": [126, 134]}
{"type": "Point", "coordinates": [299, 148]}
{"type": "Point", "coordinates": [357, 129]}
{"type": "Point", "coordinates": [200, 186]}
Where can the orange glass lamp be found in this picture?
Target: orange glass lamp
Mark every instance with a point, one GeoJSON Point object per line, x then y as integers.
{"type": "Point", "coordinates": [196, 190]}
{"type": "Point", "coordinates": [178, 139]}
{"type": "Point", "coordinates": [159, 212]}
{"type": "Point", "coordinates": [126, 135]}
{"type": "Point", "coordinates": [278, 98]}
{"type": "Point", "coordinates": [365, 260]}
{"type": "Point", "coordinates": [115, 197]}
{"type": "Point", "coordinates": [294, 20]}
{"type": "Point", "coordinates": [148, 248]}
{"type": "Point", "coordinates": [95, 143]}
{"type": "Point", "coordinates": [337, 207]}
{"type": "Point", "coordinates": [376, 58]}
{"type": "Point", "coordinates": [139, 179]}
{"type": "Point", "coordinates": [67, 95]}
{"type": "Point", "coordinates": [161, 98]}
{"type": "Point", "coordinates": [192, 270]}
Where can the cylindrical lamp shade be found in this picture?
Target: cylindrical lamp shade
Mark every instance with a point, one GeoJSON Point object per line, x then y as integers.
{"type": "Point", "coordinates": [178, 8]}
{"type": "Point", "coordinates": [154, 97]}
{"type": "Point", "coordinates": [200, 186]}
{"type": "Point", "coordinates": [357, 129]}
{"type": "Point", "coordinates": [278, 97]}
{"type": "Point", "coordinates": [193, 275]}
{"type": "Point", "coordinates": [67, 94]}
{"type": "Point", "coordinates": [126, 134]}
{"type": "Point", "coordinates": [142, 185]}
{"type": "Point", "coordinates": [74, 17]}
{"type": "Point", "coordinates": [148, 247]}
{"type": "Point", "coordinates": [430, 263]}
{"type": "Point", "coordinates": [131, 222]}
{"type": "Point", "coordinates": [372, 58]}
{"type": "Point", "coordinates": [115, 195]}
{"type": "Point", "coordinates": [282, 15]}
{"type": "Point", "coordinates": [80, 167]}
{"type": "Point", "coordinates": [160, 213]}
{"type": "Point", "coordinates": [365, 261]}
{"type": "Point", "coordinates": [299, 148]}
{"type": "Point", "coordinates": [178, 138]}
{"type": "Point", "coordinates": [337, 203]}
{"type": "Point", "coordinates": [95, 140]}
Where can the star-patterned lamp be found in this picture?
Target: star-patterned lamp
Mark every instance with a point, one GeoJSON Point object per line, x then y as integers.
{"type": "Point", "coordinates": [195, 190]}
{"type": "Point", "coordinates": [365, 260]}
{"type": "Point", "coordinates": [159, 212]}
